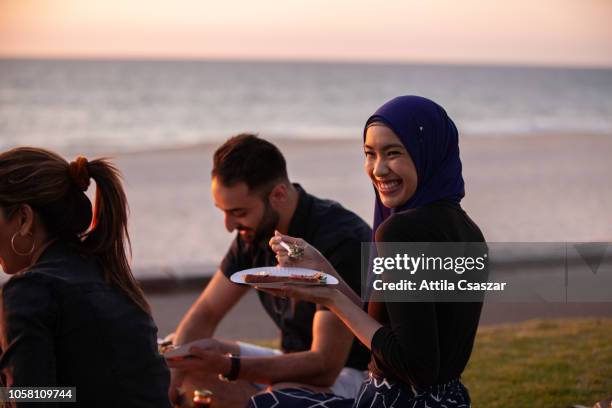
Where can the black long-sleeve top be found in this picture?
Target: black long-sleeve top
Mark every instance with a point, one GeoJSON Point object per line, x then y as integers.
{"type": "Point", "coordinates": [425, 343]}
{"type": "Point", "coordinates": [63, 325]}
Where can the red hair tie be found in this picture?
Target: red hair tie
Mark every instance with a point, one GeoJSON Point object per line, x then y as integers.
{"type": "Point", "coordinates": [79, 173]}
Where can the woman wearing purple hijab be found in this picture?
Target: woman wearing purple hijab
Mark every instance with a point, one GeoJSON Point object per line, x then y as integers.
{"type": "Point", "coordinates": [419, 349]}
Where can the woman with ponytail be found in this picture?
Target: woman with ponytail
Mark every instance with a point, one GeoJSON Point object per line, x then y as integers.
{"type": "Point", "coordinates": [72, 313]}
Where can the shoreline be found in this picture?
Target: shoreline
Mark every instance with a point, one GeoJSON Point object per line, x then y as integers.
{"type": "Point", "coordinates": [128, 151]}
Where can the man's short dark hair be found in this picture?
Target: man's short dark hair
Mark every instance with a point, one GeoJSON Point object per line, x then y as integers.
{"type": "Point", "coordinates": [249, 159]}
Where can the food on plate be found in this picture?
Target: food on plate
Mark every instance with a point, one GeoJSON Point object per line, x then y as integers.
{"type": "Point", "coordinates": [294, 251]}
{"type": "Point", "coordinates": [267, 277]}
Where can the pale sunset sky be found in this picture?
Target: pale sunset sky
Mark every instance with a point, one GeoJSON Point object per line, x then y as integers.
{"type": "Point", "coordinates": [531, 32]}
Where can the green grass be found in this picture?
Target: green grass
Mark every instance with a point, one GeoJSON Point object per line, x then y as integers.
{"type": "Point", "coordinates": [539, 364]}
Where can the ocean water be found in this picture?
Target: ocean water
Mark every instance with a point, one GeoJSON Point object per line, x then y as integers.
{"type": "Point", "coordinates": [141, 105]}
{"type": "Point", "coordinates": [121, 106]}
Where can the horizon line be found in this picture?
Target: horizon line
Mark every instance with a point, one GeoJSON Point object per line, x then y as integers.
{"type": "Point", "coordinates": [303, 60]}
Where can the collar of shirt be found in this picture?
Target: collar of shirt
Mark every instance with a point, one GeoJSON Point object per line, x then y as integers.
{"type": "Point", "coordinates": [298, 227]}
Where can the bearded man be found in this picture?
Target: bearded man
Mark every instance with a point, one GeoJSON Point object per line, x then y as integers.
{"type": "Point", "coordinates": [251, 187]}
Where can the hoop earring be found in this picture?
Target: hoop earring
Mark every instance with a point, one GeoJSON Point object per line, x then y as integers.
{"type": "Point", "coordinates": [22, 253]}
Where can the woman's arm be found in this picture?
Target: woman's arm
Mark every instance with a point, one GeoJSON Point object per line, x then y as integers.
{"type": "Point", "coordinates": [318, 366]}
{"type": "Point", "coordinates": [408, 347]}
{"type": "Point", "coordinates": [352, 315]}
{"type": "Point", "coordinates": [312, 259]}
{"type": "Point", "coordinates": [341, 300]}
{"type": "Point", "coordinates": [355, 318]}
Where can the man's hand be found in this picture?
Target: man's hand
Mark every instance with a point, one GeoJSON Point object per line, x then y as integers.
{"type": "Point", "coordinates": [202, 362]}
{"type": "Point", "coordinates": [177, 376]}
{"type": "Point", "coordinates": [218, 346]}
{"type": "Point", "coordinates": [212, 345]}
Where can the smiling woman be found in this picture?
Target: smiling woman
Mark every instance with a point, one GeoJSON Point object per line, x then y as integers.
{"type": "Point", "coordinates": [389, 165]}
{"type": "Point", "coordinates": [418, 349]}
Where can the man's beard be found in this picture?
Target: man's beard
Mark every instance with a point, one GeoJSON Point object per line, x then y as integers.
{"type": "Point", "coordinates": [265, 229]}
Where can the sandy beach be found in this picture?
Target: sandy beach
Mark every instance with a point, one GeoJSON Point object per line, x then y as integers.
{"type": "Point", "coordinates": [518, 189]}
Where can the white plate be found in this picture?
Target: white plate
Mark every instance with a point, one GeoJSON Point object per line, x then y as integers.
{"type": "Point", "coordinates": [238, 277]}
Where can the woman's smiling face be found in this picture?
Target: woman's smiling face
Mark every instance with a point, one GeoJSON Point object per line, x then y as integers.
{"type": "Point", "coordinates": [389, 165]}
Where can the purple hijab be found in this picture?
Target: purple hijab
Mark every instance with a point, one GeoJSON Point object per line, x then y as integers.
{"type": "Point", "coordinates": [431, 138]}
